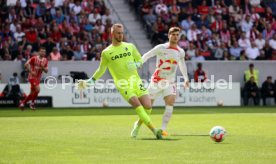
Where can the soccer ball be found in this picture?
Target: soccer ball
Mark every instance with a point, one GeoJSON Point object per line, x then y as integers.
{"type": "Point", "coordinates": [217, 133]}
{"type": "Point", "coordinates": [220, 103]}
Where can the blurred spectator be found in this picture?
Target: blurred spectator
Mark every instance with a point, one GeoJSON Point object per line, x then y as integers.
{"type": "Point", "coordinates": [268, 90]}
{"type": "Point", "coordinates": [252, 52]}
{"type": "Point", "coordinates": [246, 25]}
{"type": "Point", "coordinates": [77, 7]}
{"type": "Point", "coordinates": [49, 45]}
{"type": "Point", "coordinates": [251, 90]}
{"type": "Point", "coordinates": [67, 53]}
{"type": "Point", "coordinates": [18, 53]}
{"type": "Point", "coordinates": [235, 50]}
{"type": "Point", "coordinates": [55, 55]}
{"type": "Point", "coordinates": [234, 8]}
{"type": "Point", "coordinates": [93, 17]}
{"type": "Point", "coordinates": [244, 42]}
{"type": "Point", "coordinates": [226, 55]}
{"type": "Point", "coordinates": [272, 42]}
{"type": "Point", "coordinates": [190, 9]}
{"type": "Point", "coordinates": [187, 23]}
{"type": "Point", "coordinates": [161, 6]}
{"type": "Point", "coordinates": [200, 75]}
{"type": "Point", "coordinates": [217, 24]}
{"type": "Point", "coordinates": [251, 72]}
{"type": "Point", "coordinates": [254, 15]}
{"type": "Point", "coordinates": [28, 52]}
{"type": "Point", "coordinates": [218, 52]}
{"type": "Point", "coordinates": [58, 3]}
{"type": "Point", "coordinates": [255, 3]}
{"type": "Point", "coordinates": [203, 9]}
{"type": "Point", "coordinates": [268, 51]}
{"type": "Point", "coordinates": [191, 52]}
{"type": "Point", "coordinates": [18, 35]}
{"type": "Point", "coordinates": [12, 89]}
{"type": "Point", "coordinates": [193, 33]}
{"type": "Point", "coordinates": [31, 35]}
{"type": "Point", "coordinates": [243, 56]}
{"type": "Point", "coordinates": [14, 80]}
{"type": "Point", "coordinates": [262, 56]}
{"type": "Point", "coordinates": [40, 10]}
{"type": "Point", "coordinates": [78, 54]}
{"type": "Point", "coordinates": [56, 35]}
{"type": "Point", "coordinates": [174, 9]}
{"type": "Point", "coordinates": [268, 32]}
{"type": "Point", "coordinates": [260, 42]}
{"type": "Point", "coordinates": [183, 42]}
{"type": "Point", "coordinates": [106, 16]}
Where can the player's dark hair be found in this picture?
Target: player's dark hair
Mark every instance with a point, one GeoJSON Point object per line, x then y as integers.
{"type": "Point", "coordinates": [199, 65]}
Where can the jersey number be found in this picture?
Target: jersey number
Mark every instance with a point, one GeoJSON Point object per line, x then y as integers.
{"type": "Point", "coordinates": [142, 88]}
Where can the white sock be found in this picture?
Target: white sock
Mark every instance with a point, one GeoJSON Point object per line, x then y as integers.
{"type": "Point", "coordinates": [167, 116]}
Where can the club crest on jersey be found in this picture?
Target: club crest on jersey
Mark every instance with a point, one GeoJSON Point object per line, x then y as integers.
{"type": "Point", "coordinates": [120, 56]}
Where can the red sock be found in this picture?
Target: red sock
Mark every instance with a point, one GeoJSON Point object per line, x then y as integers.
{"type": "Point", "coordinates": [34, 96]}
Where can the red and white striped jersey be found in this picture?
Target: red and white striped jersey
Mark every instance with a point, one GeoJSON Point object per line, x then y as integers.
{"type": "Point", "coordinates": [167, 60]}
{"type": "Point", "coordinates": [36, 65]}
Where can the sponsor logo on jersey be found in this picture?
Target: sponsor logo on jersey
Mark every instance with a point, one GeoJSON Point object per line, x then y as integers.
{"type": "Point", "coordinates": [119, 56]}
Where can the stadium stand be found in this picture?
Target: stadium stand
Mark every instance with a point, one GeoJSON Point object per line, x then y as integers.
{"type": "Point", "coordinates": [216, 29]}
{"type": "Point", "coordinates": [69, 29]}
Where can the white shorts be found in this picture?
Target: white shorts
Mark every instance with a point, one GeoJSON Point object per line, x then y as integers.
{"type": "Point", "coordinates": [157, 89]}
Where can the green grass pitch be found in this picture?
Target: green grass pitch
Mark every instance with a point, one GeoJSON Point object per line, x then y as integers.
{"type": "Point", "coordinates": [103, 136]}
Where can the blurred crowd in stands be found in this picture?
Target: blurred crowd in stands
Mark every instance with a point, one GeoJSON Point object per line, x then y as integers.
{"type": "Point", "coordinates": [68, 29]}
{"type": "Point", "coordinates": [213, 29]}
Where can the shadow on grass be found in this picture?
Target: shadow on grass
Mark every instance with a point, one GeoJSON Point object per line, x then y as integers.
{"type": "Point", "coordinates": [164, 139]}
{"type": "Point", "coordinates": [190, 135]}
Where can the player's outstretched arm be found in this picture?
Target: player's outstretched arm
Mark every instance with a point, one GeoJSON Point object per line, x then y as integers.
{"type": "Point", "coordinates": [83, 84]}
{"type": "Point", "coordinates": [101, 69]}
{"type": "Point", "coordinates": [151, 53]}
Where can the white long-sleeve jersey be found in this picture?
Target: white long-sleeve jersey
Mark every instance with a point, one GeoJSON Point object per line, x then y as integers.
{"type": "Point", "coordinates": [167, 60]}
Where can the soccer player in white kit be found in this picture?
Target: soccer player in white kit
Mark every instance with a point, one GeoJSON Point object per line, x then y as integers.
{"type": "Point", "coordinates": [168, 57]}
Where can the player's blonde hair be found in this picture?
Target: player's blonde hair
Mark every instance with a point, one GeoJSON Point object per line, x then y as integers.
{"type": "Point", "coordinates": [174, 29]}
{"type": "Point", "coordinates": [115, 26]}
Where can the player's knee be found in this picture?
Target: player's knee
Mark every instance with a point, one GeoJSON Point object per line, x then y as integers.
{"type": "Point", "coordinates": [134, 102]}
{"type": "Point", "coordinates": [147, 106]}
{"type": "Point", "coordinates": [169, 101]}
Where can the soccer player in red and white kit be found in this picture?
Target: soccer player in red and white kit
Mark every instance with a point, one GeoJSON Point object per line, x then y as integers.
{"type": "Point", "coordinates": [36, 65]}
{"type": "Point", "coordinates": [169, 56]}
